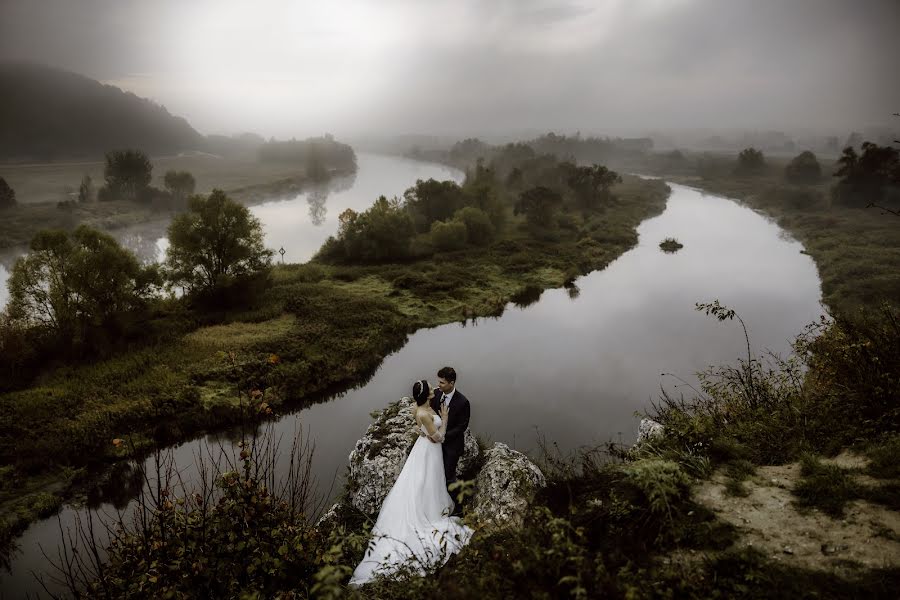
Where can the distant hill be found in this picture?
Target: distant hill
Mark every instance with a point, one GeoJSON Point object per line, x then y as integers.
{"type": "Point", "coordinates": [49, 114]}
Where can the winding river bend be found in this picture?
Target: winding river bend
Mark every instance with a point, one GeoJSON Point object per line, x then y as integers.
{"type": "Point", "coordinates": [572, 367]}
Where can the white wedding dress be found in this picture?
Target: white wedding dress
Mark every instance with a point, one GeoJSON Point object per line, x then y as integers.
{"type": "Point", "coordinates": [414, 527]}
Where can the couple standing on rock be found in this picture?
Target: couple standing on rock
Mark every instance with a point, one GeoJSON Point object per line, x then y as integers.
{"type": "Point", "coordinates": [419, 523]}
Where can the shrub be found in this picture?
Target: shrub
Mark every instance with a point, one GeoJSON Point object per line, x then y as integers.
{"type": "Point", "coordinates": [479, 229]}
{"type": "Point", "coordinates": [432, 200]}
{"type": "Point", "coordinates": [868, 177]}
{"type": "Point", "coordinates": [72, 284]}
{"type": "Point", "coordinates": [567, 221]}
{"type": "Point", "coordinates": [854, 373]}
{"type": "Point", "coordinates": [750, 162]}
{"type": "Point", "coordinates": [664, 485]}
{"type": "Point", "coordinates": [127, 173]}
{"type": "Point", "coordinates": [670, 245]}
{"type": "Point", "coordinates": [539, 205]}
{"type": "Point", "coordinates": [235, 534]}
{"type": "Point", "coordinates": [7, 195]}
{"type": "Point", "coordinates": [448, 235]}
{"type": "Point", "coordinates": [803, 168]}
{"type": "Point", "coordinates": [823, 486]}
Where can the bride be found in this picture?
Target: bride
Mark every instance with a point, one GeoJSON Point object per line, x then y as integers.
{"type": "Point", "coordinates": [414, 527]}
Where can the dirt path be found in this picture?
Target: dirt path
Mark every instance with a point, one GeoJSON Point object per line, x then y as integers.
{"type": "Point", "coordinates": [868, 536]}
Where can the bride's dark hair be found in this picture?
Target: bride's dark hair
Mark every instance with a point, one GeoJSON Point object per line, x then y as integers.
{"type": "Point", "coordinates": [421, 391]}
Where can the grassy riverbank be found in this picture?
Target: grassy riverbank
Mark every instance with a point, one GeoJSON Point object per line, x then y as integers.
{"type": "Point", "coordinates": [316, 327]}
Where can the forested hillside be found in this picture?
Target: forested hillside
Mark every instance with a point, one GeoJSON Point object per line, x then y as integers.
{"type": "Point", "coordinates": [50, 114]}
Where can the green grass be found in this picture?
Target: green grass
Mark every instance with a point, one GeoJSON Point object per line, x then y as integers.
{"type": "Point", "coordinates": [239, 335]}
{"type": "Point", "coordinates": [826, 487]}
{"type": "Point", "coordinates": [737, 472]}
{"type": "Point", "coordinates": [829, 488]}
{"type": "Point", "coordinates": [884, 458]}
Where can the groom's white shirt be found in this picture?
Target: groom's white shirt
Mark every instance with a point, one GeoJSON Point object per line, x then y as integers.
{"type": "Point", "coordinates": [448, 397]}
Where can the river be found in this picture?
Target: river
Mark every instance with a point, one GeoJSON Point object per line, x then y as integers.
{"type": "Point", "coordinates": [574, 366]}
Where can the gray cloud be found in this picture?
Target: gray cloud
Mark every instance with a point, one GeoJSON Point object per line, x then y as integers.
{"type": "Point", "coordinates": [465, 66]}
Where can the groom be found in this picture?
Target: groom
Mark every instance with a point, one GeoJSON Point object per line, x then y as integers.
{"type": "Point", "coordinates": [457, 423]}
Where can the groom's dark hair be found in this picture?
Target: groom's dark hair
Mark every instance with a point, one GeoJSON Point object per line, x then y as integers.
{"type": "Point", "coordinates": [448, 373]}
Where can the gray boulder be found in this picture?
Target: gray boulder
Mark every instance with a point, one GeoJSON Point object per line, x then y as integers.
{"type": "Point", "coordinates": [329, 518]}
{"type": "Point", "coordinates": [378, 457]}
{"type": "Point", "coordinates": [648, 430]}
{"type": "Point", "coordinates": [470, 456]}
{"type": "Point", "coordinates": [504, 487]}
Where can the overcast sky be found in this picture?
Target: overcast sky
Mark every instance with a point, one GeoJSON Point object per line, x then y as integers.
{"type": "Point", "coordinates": [292, 67]}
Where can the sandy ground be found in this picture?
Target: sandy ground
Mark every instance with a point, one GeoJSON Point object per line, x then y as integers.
{"type": "Point", "coordinates": [767, 520]}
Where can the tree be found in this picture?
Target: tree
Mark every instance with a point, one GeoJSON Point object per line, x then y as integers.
{"type": "Point", "coordinates": [127, 173]}
{"type": "Point", "coordinates": [589, 184]}
{"type": "Point", "coordinates": [479, 229]}
{"type": "Point", "coordinates": [383, 232]}
{"type": "Point", "coordinates": [448, 235]}
{"type": "Point", "coordinates": [866, 177]}
{"type": "Point", "coordinates": [750, 162]}
{"type": "Point", "coordinates": [538, 204]}
{"type": "Point", "coordinates": [85, 190]}
{"type": "Point", "coordinates": [180, 184]}
{"type": "Point", "coordinates": [432, 200]}
{"type": "Point", "coordinates": [215, 241]}
{"type": "Point", "coordinates": [804, 168]}
{"type": "Point", "coordinates": [69, 285]}
{"type": "Point", "coordinates": [323, 153]}
{"type": "Point", "coordinates": [7, 195]}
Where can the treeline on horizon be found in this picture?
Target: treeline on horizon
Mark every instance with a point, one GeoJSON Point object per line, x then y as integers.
{"type": "Point", "coordinates": [603, 150]}
{"type": "Point", "coordinates": [317, 153]}
{"type": "Point", "coordinates": [869, 173]}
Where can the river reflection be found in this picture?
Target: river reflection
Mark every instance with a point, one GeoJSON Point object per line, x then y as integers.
{"type": "Point", "coordinates": [299, 223]}
{"type": "Point", "coordinates": [572, 364]}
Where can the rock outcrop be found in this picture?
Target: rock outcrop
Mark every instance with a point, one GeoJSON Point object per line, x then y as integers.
{"type": "Point", "coordinates": [378, 457]}
{"type": "Point", "coordinates": [504, 487]}
{"type": "Point", "coordinates": [506, 481]}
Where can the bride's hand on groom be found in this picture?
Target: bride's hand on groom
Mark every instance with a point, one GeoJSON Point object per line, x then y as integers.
{"type": "Point", "coordinates": [444, 412]}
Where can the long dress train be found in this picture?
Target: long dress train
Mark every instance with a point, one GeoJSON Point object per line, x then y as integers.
{"type": "Point", "coordinates": [414, 527]}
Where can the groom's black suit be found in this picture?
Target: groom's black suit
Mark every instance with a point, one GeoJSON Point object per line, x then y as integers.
{"type": "Point", "coordinates": [454, 438]}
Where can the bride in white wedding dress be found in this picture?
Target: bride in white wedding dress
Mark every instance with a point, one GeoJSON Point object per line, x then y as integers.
{"type": "Point", "coordinates": [414, 527]}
